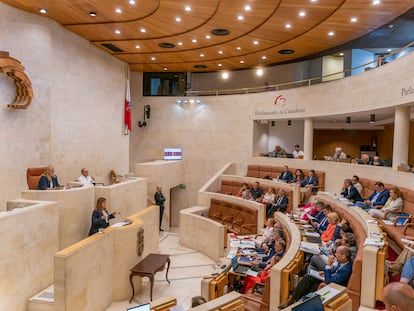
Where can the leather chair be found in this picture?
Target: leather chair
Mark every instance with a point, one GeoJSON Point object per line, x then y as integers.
{"type": "Point", "coordinates": [33, 175]}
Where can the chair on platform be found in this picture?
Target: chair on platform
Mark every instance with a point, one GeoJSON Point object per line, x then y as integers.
{"type": "Point", "coordinates": [258, 299]}
{"type": "Point", "coordinates": [33, 175]}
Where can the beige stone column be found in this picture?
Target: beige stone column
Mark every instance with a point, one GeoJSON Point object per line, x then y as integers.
{"type": "Point", "coordinates": [308, 139]}
{"type": "Point", "coordinates": [401, 136]}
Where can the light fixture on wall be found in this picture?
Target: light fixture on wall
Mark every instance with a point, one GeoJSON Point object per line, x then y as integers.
{"type": "Point", "coordinates": [372, 118]}
{"type": "Point", "coordinates": [348, 120]}
{"type": "Point", "coordinates": [289, 123]}
{"type": "Point", "coordinates": [181, 102]}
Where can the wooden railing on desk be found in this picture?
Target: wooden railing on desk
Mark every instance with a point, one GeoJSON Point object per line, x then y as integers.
{"type": "Point", "coordinates": [164, 304]}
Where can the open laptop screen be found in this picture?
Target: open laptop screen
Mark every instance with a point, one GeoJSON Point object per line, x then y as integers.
{"type": "Point", "coordinates": [145, 307]}
{"type": "Point", "coordinates": [312, 304]}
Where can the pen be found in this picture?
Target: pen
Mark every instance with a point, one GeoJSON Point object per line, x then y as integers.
{"type": "Point", "coordinates": [323, 296]}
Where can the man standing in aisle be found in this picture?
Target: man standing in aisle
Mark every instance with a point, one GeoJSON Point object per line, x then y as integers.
{"type": "Point", "coordinates": [159, 200]}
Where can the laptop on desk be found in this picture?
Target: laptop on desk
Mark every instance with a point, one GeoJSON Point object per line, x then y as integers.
{"type": "Point", "coordinates": [240, 269]}
{"type": "Point", "coordinates": [312, 304]}
{"type": "Point", "coordinates": [144, 307]}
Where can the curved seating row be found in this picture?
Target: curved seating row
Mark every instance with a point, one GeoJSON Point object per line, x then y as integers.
{"type": "Point", "coordinates": [367, 277]}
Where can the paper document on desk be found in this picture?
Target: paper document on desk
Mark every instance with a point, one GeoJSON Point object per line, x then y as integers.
{"type": "Point", "coordinates": [316, 275]}
{"type": "Point", "coordinates": [388, 222]}
{"type": "Point", "coordinates": [247, 244]}
{"type": "Point", "coordinates": [312, 233]}
{"type": "Point", "coordinates": [327, 293]}
{"type": "Point", "coordinates": [121, 224]}
{"type": "Point", "coordinates": [374, 242]}
{"type": "Point", "coordinates": [311, 248]}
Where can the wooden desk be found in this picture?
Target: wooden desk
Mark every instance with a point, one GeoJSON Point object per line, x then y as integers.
{"type": "Point", "coordinates": [148, 267]}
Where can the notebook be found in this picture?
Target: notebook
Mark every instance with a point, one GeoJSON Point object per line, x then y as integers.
{"type": "Point", "coordinates": [144, 307]}
{"type": "Point", "coordinates": [312, 304]}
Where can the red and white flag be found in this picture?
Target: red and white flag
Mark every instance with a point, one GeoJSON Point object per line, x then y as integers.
{"type": "Point", "coordinates": [127, 105]}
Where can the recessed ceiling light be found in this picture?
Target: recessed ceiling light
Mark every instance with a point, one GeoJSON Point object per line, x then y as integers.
{"type": "Point", "coordinates": [178, 19]}
{"type": "Point", "coordinates": [302, 13]}
{"type": "Point", "coordinates": [242, 62]}
{"type": "Point", "coordinates": [208, 37]}
{"type": "Point", "coordinates": [240, 17]}
{"type": "Point", "coordinates": [117, 32]}
{"type": "Point", "coordinates": [220, 52]}
{"type": "Point", "coordinates": [238, 48]}
{"type": "Point", "coordinates": [137, 47]}
{"type": "Point", "coordinates": [118, 10]}
{"type": "Point", "coordinates": [153, 58]}
{"type": "Point", "coordinates": [179, 43]}
{"type": "Point", "coordinates": [288, 26]}
{"type": "Point", "coordinates": [354, 19]}
{"type": "Point", "coordinates": [219, 65]}
{"type": "Point", "coordinates": [194, 40]}
{"type": "Point", "coordinates": [331, 33]}
{"type": "Point", "coordinates": [143, 30]}
{"type": "Point", "coordinates": [187, 8]}
{"type": "Point", "coordinates": [376, 2]}
{"type": "Point", "coordinates": [93, 14]}
{"type": "Point", "coordinates": [43, 10]}
{"type": "Point", "coordinates": [313, 0]}
{"type": "Point", "coordinates": [264, 57]}
{"type": "Point", "coordinates": [165, 68]}
{"type": "Point", "coordinates": [341, 54]}
{"type": "Point", "coordinates": [255, 42]}
{"type": "Point", "coordinates": [247, 7]}
{"type": "Point", "coordinates": [132, 2]}
{"type": "Point", "coordinates": [201, 55]}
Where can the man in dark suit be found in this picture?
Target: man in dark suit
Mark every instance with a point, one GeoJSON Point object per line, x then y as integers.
{"type": "Point", "coordinates": [159, 200]}
{"type": "Point", "coordinates": [311, 181]}
{"type": "Point", "coordinates": [280, 204]}
{"type": "Point", "coordinates": [286, 176]}
{"type": "Point", "coordinates": [338, 270]}
{"type": "Point", "coordinates": [350, 192]}
{"type": "Point", "coordinates": [378, 197]}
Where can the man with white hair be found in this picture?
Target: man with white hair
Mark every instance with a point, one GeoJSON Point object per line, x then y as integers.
{"type": "Point", "coordinates": [339, 154]}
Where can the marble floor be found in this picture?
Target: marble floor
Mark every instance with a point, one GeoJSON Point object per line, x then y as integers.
{"type": "Point", "coordinates": [186, 271]}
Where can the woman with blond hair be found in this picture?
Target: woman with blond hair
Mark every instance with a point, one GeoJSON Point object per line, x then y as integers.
{"type": "Point", "coordinates": [48, 180]}
{"type": "Point", "coordinates": [327, 235]}
{"type": "Point", "coordinates": [393, 205]}
{"type": "Point", "coordinates": [100, 216]}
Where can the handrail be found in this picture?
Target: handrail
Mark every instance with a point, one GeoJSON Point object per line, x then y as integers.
{"type": "Point", "coordinates": [286, 85]}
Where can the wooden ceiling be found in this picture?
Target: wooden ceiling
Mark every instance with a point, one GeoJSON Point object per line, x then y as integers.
{"type": "Point", "coordinates": [255, 39]}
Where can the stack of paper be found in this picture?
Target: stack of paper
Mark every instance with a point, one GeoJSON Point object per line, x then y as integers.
{"type": "Point", "coordinates": [374, 242]}
{"type": "Point", "coordinates": [311, 248]}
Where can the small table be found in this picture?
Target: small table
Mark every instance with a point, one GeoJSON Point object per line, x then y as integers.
{"type": "Point", "coordinates": [148, 267]}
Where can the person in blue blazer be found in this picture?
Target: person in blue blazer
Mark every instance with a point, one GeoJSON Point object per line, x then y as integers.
{"type": "Point", "coordinates": [350, 192]}
{"type": "Point", "coordinates": [378, 197]}
{"type": "Point", "coordinates": [281, 202]}
{"type": "Point", "coordinates": [311, 181]}
{"type": "Point", "coordinates": [48, 180]}
{"type": "Point", "coordinates": [286, 176]}
{"type": "Point", "coordinates": [100, 216]}
{"type": "Point", "coordinates": [338, 270]}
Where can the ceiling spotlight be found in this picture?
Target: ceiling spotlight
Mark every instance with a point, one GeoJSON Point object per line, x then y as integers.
{"type": "Point", "coordinates": [348, 120]}
{"type": "Point", "coordinates": [118, 32]}
{"type": "Point", "coordinates": [354, 19]}
{"type": "Point", "coordinates": [118, 10]}
{"type": "Point", "coordinates": [289, 123]}
{"type": "Point", "coordinates": [43, 10]}
{"type": "Point", "coordinates": [288, 26]}
{"type": "Point", "coordinates": [132, 2]}
{"type": "Point", "coordinates": [341, 54]}
{"type": "Point", "coordinates": [143, 30]}
{"type": "Point", "coordinates": [208, 37]}
{"type": "Point", "coordinates": [240, 17]}
{"type": "Point", "coordinates": [153, 58]}
{"type": "Point", "coordinates": [219, 65]}
{"type": "Point", "coordinates": [201, 55]}
{"type": "Point", "coordinates": [247, 8]}
{"type": "Point", "coordinates": [302, 13]}
{"type": "Point", "coordinates": [242, 62]}
{"type": "Point", "coordinates": [264, 57]}
{"type": "Point", "coordinates": [137, 47]}
{"type": "Point", "coordinates": [220, 52]}
{"type": "Point", "coordinates": [178, 19]}
{"type": "Point", "coordinates": [238, 48]}
{"type": "Point", "coordinates": [179, 43]}
{"type": "Point", "coordinates": [376, 2]}
{"type": "Point", "coordinates": [165, 68]}
{"type": "Point", "coordinates": [331, 33]}
{"type": "Point", "coordinates": [92, 14]}
{"type": "Point", "coordinates": [255, 42]}
{"type": "Point", "coordinates": [187, 8]}
{"type": "Point", "coordinates": [372, 118]}
{"type": "Point", "coordinates": [194, 40]}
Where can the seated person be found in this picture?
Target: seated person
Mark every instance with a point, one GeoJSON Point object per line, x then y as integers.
{"type": "Point", "coordinates": [299, 177]}
{"type": "Point", "coordinates": [311, 181]}
{"type": "Point", "coordinates": [48, 180]}
{"type": "Point", "coordinates": [407, 275]}
{"type": "Point", "coordinates": [100, 216]}
{"type": "Point", "coordinates": [244, 188]}
{"type": "Point", "coordinates": [297, 152]}
{"type": "Point", "coordinates": [393, 205]}
{"type": "Point", "coordinates": [338, 270]}
{"type": "Point", "coordinates": [197, 300]}
{"type": "Point", "coordinates": [314, 210]}
{"type": "Point", "coordinates": [378, 197]}
{"type": "Point", "coordinates": [85, 179]}
{"type": "Point", "coordinates": [398, 296]}
{"type": "Point", "coordinates": [365, 159]}
{"type": "Point", "coordinates": [281, 202]}
{"type": "Point", "coordinates": [327, 235]}
{"type": "Point", "coordinates": [339, 154]}
{"type": "Point", "coordinates": [256, 192]}
{"type": "Point", "coordinates": [357, 184]}
{"type": "Point", "coordinates": [322, 223]}
{"type": "Point", "coordinates": [266, 233]}
{"type": "Point", "coordinates": [395, 267]}
{"type": "Point", "coordinates": [269, 196]}
{"type": "Point", "coordinates": [249, 281]}
{"type": "Point", "coordinates": [279, 152]}
{"type": "Point", "coordinates": [376, 161]}
{"type": "Point", "coordinates": [279, 250]}
{"type": "Point", "coordinates": [318, 262]}
{"type": "Point", "coordinates": [350, 192]}
{"type": "Point", "coordinates": [285, 176]}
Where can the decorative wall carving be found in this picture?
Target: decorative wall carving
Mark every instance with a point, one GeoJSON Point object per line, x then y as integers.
{"type": "Point", "coordinates": [140, 242]}
{"type": "Point", "coordinates": [15, 71]}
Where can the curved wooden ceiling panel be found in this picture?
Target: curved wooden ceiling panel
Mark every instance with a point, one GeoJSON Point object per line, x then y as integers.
{"type": "Point", "coordinates": [255, 36]}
